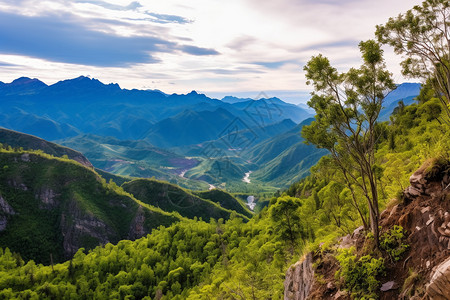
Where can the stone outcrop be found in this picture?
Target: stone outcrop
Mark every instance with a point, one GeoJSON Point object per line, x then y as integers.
{"type": "Point", "coordinates": [79, 226]}
{"type": "Point", "coordinates": [137, 229]}
{"type": "Point", "coordinates": [48, 197]}
{"type": "Point", "coordinates": [423, 272]}
{"type": "Point", "coordinates": [439, 287]}
{"type": "Point", "coordinates": [299, 279]}
{"type": "Point", "coordinates": [5, 210]}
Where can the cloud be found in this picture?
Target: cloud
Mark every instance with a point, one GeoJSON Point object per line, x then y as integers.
{"type": "Point", "coordinates": [164, 19]}
{"type": "Point", "coordinates": [132, 6]}
{"type": "Point", "coordinates": [66, 38]}
{"type": "Point", "coordinates": [274, 64]}
{"type": "Point", "coordinates": [236, 71]}
{"type": "Point", "coordinates": [241, 42]}
{"type": "Point", "coordinates": [330, 45]}
{"type": "Point", "coordinates": [5, 64]}
{"type": "Point", "coordinates": [194, 50]}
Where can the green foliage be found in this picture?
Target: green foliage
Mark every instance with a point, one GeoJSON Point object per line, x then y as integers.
{"type": "Point", "coordinates": [347, 107]}
{"type": "Point", "coordinates": [225, 200]}
{"type": "Point", "coordinates": [135, 159]}
{"type": "Point", "coordinates": [188, 260]}
{"type": "Point", "coordinates": [172, 198]}
{"type": "Point", "coordinates": [393, 242]}
{"type": "Point", "coordinates": [359, 275]}
{"type": "Point", "coordinates": [420, 36]}
{"type": "Point", "coordinates": [284, 214]}
{"type": "Point", "coordinates": [52, 195]}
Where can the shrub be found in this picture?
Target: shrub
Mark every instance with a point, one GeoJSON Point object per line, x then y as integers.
{"type": "Point", "coordinates": [359, 275]}
{"type": "Point", "coordinates": [393, 242]}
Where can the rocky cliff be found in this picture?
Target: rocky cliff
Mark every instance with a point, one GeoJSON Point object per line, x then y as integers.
{"type": "Point", "coordinates": [54, 206]}
{"type": "Point", "coordinates": [424, 270]}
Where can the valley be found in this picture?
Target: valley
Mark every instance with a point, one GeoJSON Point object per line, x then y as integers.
{"type": "Point", "coordinates": [300, 167]}
{"type": "Point", "coordinates": [193, 141]}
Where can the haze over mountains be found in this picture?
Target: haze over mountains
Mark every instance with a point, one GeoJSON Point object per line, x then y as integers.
{"type": "Point", "coordinates": [84, 105]}
{"type": "Point", "coordinates": [191, 140]}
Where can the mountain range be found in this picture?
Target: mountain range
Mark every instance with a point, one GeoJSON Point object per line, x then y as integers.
{"type": "Point", "coordinates": [84, 105]}
{"type": "Point", "coordinates": [190, 140]}
{"type": "Point", "coordinates": [53, 202]}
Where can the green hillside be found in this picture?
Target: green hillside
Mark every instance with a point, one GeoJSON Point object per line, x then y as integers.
{"type": "Point", "coordinates": [225, 200]}
{"type": "Point", "coordinates": [134, 158]}
{"type": "Point", "coordinates": [170, 198]}
{"type": "Point", "coordinates": [290, 166]}
{"type": "Point", "coordinates": [270, 148]}
{"type": "Point", "coordinates": [57, 206]}
{"type": "Point", "coordinates": [28, 142]}
{"type": "Point", "coordinates": [218, 170]}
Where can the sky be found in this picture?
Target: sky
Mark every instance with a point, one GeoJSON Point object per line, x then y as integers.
{"type": "Point", "coordinates": [233, 47]}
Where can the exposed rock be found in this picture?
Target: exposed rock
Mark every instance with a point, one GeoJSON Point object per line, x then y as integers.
{"type": "Point", "coordinates": [18, 185]}
{"type": "Point", "coordinates": [339, 295]}
{"type": "Point", "coordinates": [425, 209]}
{"type": "Point", "coordinates": [439, 287]}
{"type": "Point", "coordinates": [417, 180]}
{"type": "Point", "coordinates": [137, 229]}
{"type": "Point", "coordinates": [80, 225]}
{"type": "Point", "coordinates": [299, 279]}
{"type": "Point", "coordinates": [390, 285]}
{"type": "Point", "coordinates": [412, 192]}
{"type": "Point", "coordinates": [47, 196]}
{"type": "Point", "coordinates": [82, 160]}
{"type": "Point", "coordinates": [5, 207]}
{"type": "Point", "coordinates": [349, 240]}
{"type": "Point", "coordinates": [345, 242]}
{"type": "Point", "coordinates": [331, 287]}
{"type": "Point", "coordinates": [25, 157]}
{"type": "Point", "coordinates": [3, 222]}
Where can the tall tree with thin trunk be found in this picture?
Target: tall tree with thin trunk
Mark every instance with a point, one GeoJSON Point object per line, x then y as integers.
{"type": "Point", "coordinates": [422, 36]}
{"type": "Point", "coordinates": [347, 106]}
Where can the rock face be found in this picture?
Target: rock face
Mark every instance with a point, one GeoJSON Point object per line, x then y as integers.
{"type": "Point", "coordinates": [137, 229]}
{"type": "Point", "coordinates": [299, 279]}
{"type": "Point", "coordinates": [79, 226]}
{"type": "Point", "coordinates": [425, 215]}
{"type": "Point", "coordinates": [5, 210]}
{"type": "Point", "coordinates": [439, 287]}
{"type": "Point", "coordinates": [47, 197]}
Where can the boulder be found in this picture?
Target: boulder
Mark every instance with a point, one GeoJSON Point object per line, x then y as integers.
{"type": "Point", "coordinates": [390, 285]}
{"type": "Point", "coordinates": [439, 286]}
{"type": "Point", "coordinates": [417, 180]}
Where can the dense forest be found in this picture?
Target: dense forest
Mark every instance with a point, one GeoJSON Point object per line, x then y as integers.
{"type": "Point", "coordinates": [237, 258]}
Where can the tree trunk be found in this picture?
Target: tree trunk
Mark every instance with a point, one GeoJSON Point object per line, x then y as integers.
{"type": "Point", "coordinates": [375, 229]}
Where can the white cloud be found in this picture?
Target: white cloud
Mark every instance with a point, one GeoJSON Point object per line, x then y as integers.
{"type": "Point", "coordinates": [262, 44]}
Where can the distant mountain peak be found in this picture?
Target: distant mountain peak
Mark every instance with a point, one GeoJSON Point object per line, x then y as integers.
{"type": "Point", "coordinates": [27, 81]}
{"type": "Point", "coordinates": [85, 82]}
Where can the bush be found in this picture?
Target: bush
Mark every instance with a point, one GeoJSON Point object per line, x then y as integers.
{"type": "Point", "coordinates": [393, 242]}
{"type": "Point", "coordinates": [359, 275]}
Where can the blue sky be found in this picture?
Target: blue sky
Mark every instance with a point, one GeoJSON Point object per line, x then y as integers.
{"type": "Point", "coordinates": [234, 47]}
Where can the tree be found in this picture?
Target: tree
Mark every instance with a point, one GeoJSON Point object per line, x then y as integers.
{"type": "Point", "coordinates": [422, 35]}
{"type": "Point", "coordinates": [284, 213]}
{"type": "Point", "coordinates": [347, 106]}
